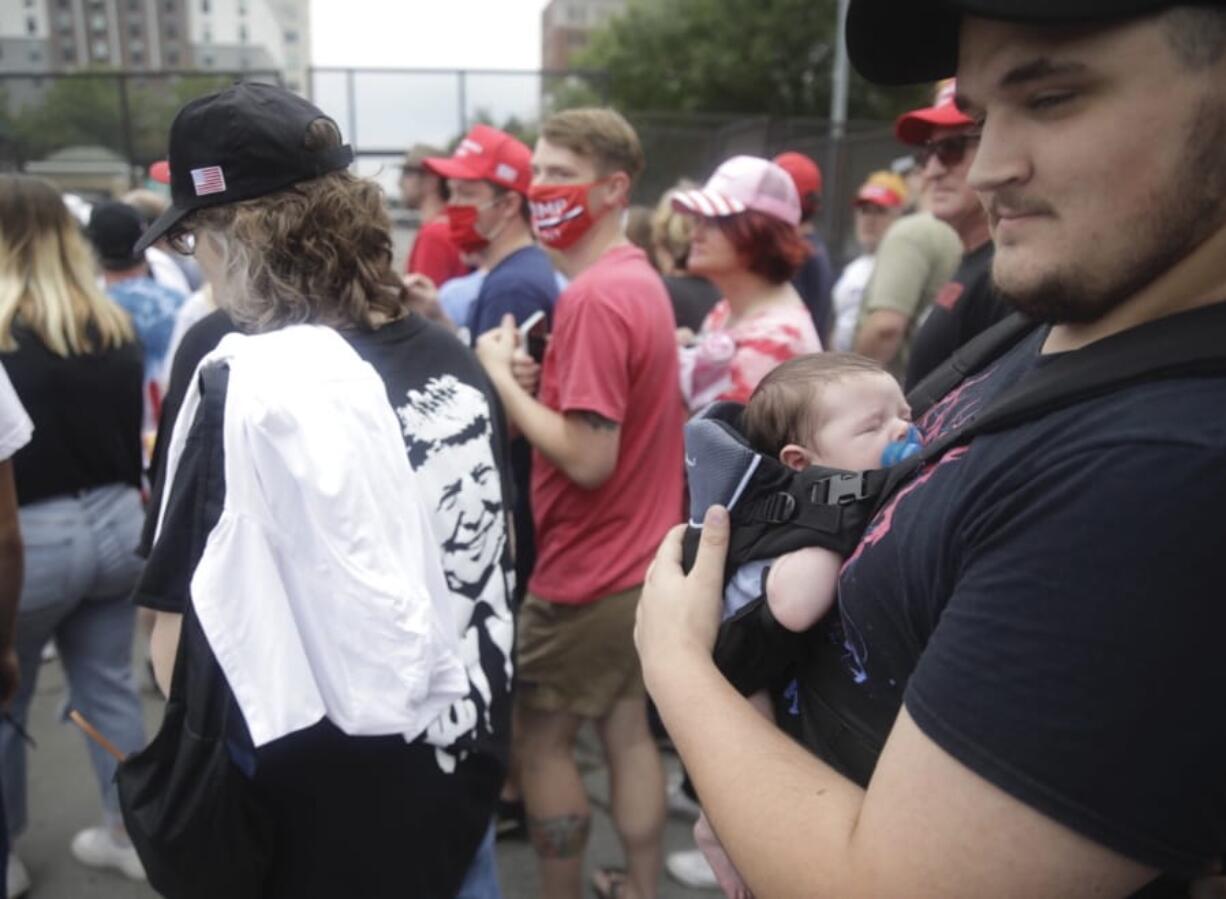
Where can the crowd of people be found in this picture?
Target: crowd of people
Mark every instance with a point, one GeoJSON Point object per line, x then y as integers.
{"type": "Point", "coordinates": [396, 536]}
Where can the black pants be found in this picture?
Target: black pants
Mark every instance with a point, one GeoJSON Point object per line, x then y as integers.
{"type": "Point", "coordinates": [372, 817]}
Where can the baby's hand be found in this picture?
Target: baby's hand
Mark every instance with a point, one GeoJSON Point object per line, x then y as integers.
{"type": "Point", "coordinates": [801, 585]}
{"type": "Point", "coordinates": [726, 874]}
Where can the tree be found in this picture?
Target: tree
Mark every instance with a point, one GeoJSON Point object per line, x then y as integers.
{"type": "Point", "coordinates": [731, 56]}
{"type": "Point", "coordinates": [87, 110]}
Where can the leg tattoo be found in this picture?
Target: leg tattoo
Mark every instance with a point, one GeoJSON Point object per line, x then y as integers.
{"type": "Point", "coordinates": [560, 837]}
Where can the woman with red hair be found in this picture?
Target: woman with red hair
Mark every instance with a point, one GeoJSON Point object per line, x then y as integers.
{"type": "Point", "coordinates": [746, 242]}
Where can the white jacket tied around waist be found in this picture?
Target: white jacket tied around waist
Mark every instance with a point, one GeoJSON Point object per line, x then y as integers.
{"type": "Point", "coordinates": [321, 588]}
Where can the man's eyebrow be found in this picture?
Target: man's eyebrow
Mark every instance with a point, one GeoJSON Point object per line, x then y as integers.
{"type": "Point", "coordinates": [1039, 69]}
{"type": "Point", "coordinates": [1035, 70]}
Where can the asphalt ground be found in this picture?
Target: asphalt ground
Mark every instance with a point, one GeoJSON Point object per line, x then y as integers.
{"type": "Point", "coordinates": [63, 799]}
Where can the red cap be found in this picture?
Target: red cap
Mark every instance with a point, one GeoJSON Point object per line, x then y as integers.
{"type": "Point", "coordinates": [916, 127]}
{"type": "Point", "coordinates": [160, 171]}
{"type": "Point", "coordinates": [804, 171]}
{"type": "Point", "coordinates": [878, 195]}
{"type": "Point", "coordinates": [487, 154]}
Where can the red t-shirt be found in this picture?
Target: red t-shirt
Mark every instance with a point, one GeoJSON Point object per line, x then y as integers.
{"type": "Point", "coordinates": [434, 255]}
{"type": "Point", "coordinates": [613, 352]}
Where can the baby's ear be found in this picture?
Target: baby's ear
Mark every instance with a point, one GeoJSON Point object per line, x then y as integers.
{"type": "Point", "coordinates": [795, 457]}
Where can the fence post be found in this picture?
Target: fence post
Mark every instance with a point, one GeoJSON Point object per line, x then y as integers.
{"type": "Point", "coordinates": [125, 124]}
{"type": "Point", "coordinates": [351, 93]}
{"type": "Point", "coordinates": [462, 86]}
{"type": "Point", "coordinates": [840, 75]}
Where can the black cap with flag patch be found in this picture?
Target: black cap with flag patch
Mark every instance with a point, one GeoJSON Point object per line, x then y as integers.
{"type": "Point", "coordinates": [239, 144]}
{"type": "Point", "coordinates": [893, 42]}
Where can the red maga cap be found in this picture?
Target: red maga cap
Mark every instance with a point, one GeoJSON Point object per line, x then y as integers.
{"type": "Point", "coordinates": [487, 154]}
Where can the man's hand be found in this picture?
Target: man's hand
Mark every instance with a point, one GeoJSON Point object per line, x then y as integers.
{"type": "Point", "coordinates": [526, 371]}
{"type": "Point", "coordinates": [10, 676]}
{"type": "Point", "coordinates": [423, 298]}
{"type": "Point", "coordinates": [496, 348]}
{"type": "Point", "coordinates": [680, 613]}
{"type": "Point", "coordinates": [685, 336]}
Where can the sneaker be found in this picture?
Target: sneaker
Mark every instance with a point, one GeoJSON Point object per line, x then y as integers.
{"type": "Point", "coordinates": [97, 847]}
{"type": "Point", "coordinates": [678, 803]}
{"type": "Point", "coordinates": [17, 878]}
{"type": "Point", "coordinates": [690, 868]}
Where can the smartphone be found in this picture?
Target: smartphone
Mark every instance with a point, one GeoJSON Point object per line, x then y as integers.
{"type": "Point", "coordinates": [535, 334]}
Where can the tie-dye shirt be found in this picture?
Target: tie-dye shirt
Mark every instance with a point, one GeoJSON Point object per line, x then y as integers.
{"type": "Point", "coordinates": [728, 360]}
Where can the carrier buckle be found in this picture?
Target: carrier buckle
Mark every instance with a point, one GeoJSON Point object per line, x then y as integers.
{"type": "Point", "coordinates": [841, 489]}
{"type": "Point", "coordinates": [779, 508]}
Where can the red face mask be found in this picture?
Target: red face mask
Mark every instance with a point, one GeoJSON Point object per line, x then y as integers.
{"type": "Point", "coordinates": [560, 213]}
{"type": "Point", "coordinates": [462, 225]}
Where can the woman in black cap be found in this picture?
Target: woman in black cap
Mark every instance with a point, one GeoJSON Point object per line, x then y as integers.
{"type": "Point", "coordinates": [378, 760]}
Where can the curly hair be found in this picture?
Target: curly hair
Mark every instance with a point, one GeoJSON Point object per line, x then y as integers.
{"type": "Point", "coordinates": [319, 251]}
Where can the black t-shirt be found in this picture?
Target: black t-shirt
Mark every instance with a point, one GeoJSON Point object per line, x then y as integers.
{"type": "Point", "coordinates": [87, 413]}
{"type": "Point", "coordinates": [198, 341]}
{"type": "Point", "coordinates": [963, 308]}
{"type": "Point", "coordinates": [1046, 602]}
{"type": "Point", "coordinates": [455, 438]}
{"type": "Point", "coordinates": [692, 298]}
{"type": "Point", "coordinates": [814, 281]}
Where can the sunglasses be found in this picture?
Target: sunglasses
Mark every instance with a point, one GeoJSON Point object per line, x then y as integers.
{"type": "Point", "coordinates": [948, 150]}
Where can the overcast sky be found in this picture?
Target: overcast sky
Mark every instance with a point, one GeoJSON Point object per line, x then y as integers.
{"type": "Point", "coordinates": [394, 111]}
{"type": "Point", "coordinates": [469, 34]}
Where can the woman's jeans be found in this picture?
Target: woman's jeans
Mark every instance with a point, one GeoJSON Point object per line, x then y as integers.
{"type": "Point", "coordinates": [80, 569]}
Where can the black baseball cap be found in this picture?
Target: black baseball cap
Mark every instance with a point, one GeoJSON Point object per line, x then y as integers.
{"type": "Point", "coordinates": [909, 41]}
{"type": "Point", "coordinates": [114, 229]}
{"type": "Point", "coordinates": [239, 144]}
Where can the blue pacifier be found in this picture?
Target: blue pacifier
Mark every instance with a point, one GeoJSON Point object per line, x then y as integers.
{"type": "Point", "coordinates": [900, 450]}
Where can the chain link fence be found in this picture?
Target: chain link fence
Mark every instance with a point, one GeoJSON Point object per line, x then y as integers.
{"type": "Point", "coordinates": [96, 133]}
{"type": "Point", "coordinates": [692, 146]}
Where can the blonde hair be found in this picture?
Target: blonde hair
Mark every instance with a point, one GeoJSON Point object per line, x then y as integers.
{"type": "Point", "coordinates": [149, 204]}
{"type": "Point", "coordinates": [47, 278]}
{"type": "Point", "coordinates": [785, 408]}
{"type": "Point", "coordinates": [319, 251]}
{"type": "Point", "coordinates": [671, 231]}
{"type": "Point", "coordinates": [599, 134]}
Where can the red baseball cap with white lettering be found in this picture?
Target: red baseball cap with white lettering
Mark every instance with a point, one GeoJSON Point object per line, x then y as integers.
{"type": "Point", "coordinates": [487, 154]}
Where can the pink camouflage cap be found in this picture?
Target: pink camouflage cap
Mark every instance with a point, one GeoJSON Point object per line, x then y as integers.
{"type": "Point", "coordinates": [741, 183]}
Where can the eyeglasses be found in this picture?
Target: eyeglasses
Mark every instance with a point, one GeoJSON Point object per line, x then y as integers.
{"type": "Point", "coordinates": [948, 150]}
{"type": "Point", "coordinates": [182, 241]}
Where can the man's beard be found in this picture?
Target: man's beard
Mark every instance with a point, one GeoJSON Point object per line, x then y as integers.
{"type": "Point", "coordinates": [1185, 212]}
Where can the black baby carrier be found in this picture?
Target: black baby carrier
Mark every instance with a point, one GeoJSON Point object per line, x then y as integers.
{"type": "Point", "coordinates": [775, 510]}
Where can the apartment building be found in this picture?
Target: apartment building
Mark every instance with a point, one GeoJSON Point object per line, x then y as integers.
{"type": "Point", "coordinates": [566, 26]}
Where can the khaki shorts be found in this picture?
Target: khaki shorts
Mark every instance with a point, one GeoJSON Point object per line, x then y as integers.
{"type": "Point", "coordinates": [578, 659]}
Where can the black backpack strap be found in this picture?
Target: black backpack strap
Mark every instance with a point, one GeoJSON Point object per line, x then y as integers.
{"type": "Point", "coordinates": [1187, 344]}
{"type": "Point", "coordinates": [971, 357]}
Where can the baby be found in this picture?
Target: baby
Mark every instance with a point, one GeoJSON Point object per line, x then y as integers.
{"type": "Point", "coordinates": [840, 411]}
{"type": "Point", "coordinates": [833, 409]}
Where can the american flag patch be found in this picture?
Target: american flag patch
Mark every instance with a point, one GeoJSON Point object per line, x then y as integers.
{"type": "Point", "coordinates": [209, 180]}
